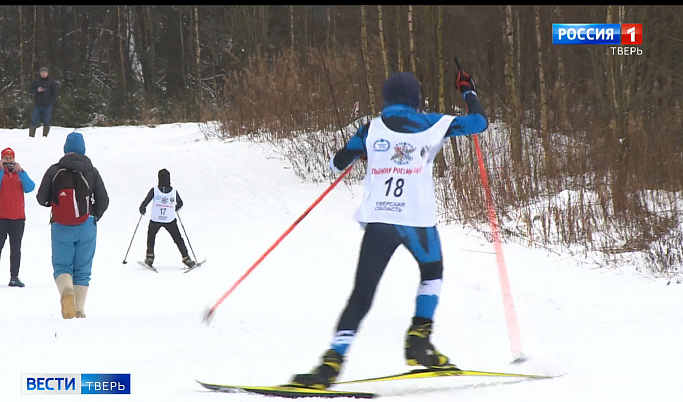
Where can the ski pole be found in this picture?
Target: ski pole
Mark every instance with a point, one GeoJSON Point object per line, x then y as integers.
{"type": "Point", "coordinates": [208, 315]}
{"type": "Point", "coordinates": [188, 239]}
{"type": "Point", "coordinates": [508, 303]}
{"type": "Point", "coordinates": [131, 240]}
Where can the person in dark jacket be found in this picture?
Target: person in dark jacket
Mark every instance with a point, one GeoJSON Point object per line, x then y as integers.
{"type": "Point", "coordinates": [166, 201]}
{"type": "Point", "coordinates": [44, 91]}
{"type": "Point", "coordinates": [73, 246]}
{"type": "Point", "coordinates": [14, 182]}
{"type": "Point", "coordinates": [398, 208]}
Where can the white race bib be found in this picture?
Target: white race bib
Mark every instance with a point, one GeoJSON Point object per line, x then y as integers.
{"type": "Point", "coordinates": [399, 188]}
{"type": "Point", "coordinates": [163, 206]}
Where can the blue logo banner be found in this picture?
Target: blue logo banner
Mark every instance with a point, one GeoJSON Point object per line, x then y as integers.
{"type": "Point", "coordinates": [586, 34]}
{"type": "Point", "coordinates": [105, 383]}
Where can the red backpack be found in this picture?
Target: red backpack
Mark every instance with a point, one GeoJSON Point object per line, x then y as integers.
{"type": "Point", "coordinates": [70, 197]}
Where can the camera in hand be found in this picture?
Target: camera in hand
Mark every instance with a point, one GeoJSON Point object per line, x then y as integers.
{"type": "Point", "coordinates": [9, 166]}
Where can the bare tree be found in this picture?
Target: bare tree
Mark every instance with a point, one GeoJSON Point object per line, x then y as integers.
{"type": "Point", "coordinates": [545, 135]}
{"type": "Point", "coordinates": [399, 50]}
{"type": "Point", "coordinates": [328, 20]}
{"type": "Point", "coordinates": [35, 35]}
{"type": "Point", "coordinates": [122, 56]}
{"type": "Point", "coordinates": [559, 88]}
{"type": "Point", "coordinates": [291, 27]}
{"type": "Point", "coordinates": [511, 86]}
{"type": "Point", "coordinates": [413, 62]}
{"type": "Point", "coordinates": [439, 45]}
{"type": "Point", "coordinates": [198, 56]}
{"type": "Point", "coordinates": [21, 48]}
{"type": "Point", "coordinates": [381, 39]}
{"type": "Point", "coordinates": [366, 58]}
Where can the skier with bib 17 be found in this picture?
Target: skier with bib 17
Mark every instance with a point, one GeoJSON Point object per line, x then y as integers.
{"type": "Point", "coordinates": [398, 207]}
{"type": "Point", "coordinates": [165, 202]}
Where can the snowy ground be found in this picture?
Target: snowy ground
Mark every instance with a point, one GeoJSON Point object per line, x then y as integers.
{"type": "Point", "coordinates": [616, 336]}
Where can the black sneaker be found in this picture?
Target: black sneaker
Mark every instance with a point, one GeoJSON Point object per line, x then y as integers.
{"type": "Point", "coordinates": [188, 262]}
{"type": "Point", "coordinates": [14, 281]}
{"type": "Point", "coordinates": [322, 376]}
{"type": "Point", "coordinates": [418, 348]}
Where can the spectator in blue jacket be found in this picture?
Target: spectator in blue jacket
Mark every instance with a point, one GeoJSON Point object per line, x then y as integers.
{"type": "Point", "coordinates": [398, 207]}
{"type": "Point", "coordinates": [73, 246]}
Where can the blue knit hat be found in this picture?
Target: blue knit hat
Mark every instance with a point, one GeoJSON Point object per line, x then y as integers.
{"type": "Point", "coordinates": [74, 143]}
{"type": "Point", "coordinates": [401, 88]}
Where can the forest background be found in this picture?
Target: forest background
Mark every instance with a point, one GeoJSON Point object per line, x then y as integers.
{"type": "Point", "coordinates": [591, 156]}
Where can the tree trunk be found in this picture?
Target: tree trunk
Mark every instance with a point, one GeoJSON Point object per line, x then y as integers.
{"type": "Point", "coordinates": [366, 58]}
{"type": "Point", "coordinates": [545, 134]}
{"type": "Point", "coordinates": [381, 39]}
{"type": "Point", "coordinates": [439, 160]}
{"type": "Point", "coordinates": [560, 90]}
{"type": "Point", "coordinates": [182, 47]}
{"type": "Point", "coordinates": [399, 50]}
{"type": "Point", "coordinates": [291, 27]}
{"type": "Point", "coordinates": [612, 77]}
{"type": "Point", "coordinates": [413, 63]}
{"type": "Point", "coordinates": [439, 45]}
{"type": "Point", "coordinates": [21, 50]}
{"type": "Point", "coordinates": [122, 58]}
{"type": "Point", "coordinates": [264, 17]}
{"type": "Point", "coordinates": [442, 86]}
{"type": "Point", "coordinates": [327, 29]}
{"type": "Point", "coordinates": [511, 86]}
{"type": "Point", "coordinates": [618, 183]}
{"type": "Point", "coordinates": [35, 35]}
{"type": "Point", "coordinates": [198, 58]}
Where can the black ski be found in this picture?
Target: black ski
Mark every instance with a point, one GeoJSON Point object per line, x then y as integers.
{"type": "Point", "coordinates": [286, 391]}
{"type": "Point", "coordinates": [295, 391]}
{"type": "Point", "coordinates": [148, 266]}
{"type": "Point", "coordinates": [197, 265]}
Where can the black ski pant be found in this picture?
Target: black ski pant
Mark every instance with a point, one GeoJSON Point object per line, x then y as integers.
{"type": "Point", "coordinates": [15, 229]}
{"type": "Point", "coordinates": [379, 243]}
{"type": "Point", "coordinates": [172, 228]}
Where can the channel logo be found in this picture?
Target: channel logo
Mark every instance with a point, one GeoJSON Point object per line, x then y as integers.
{"type": "Point", "coordinates": [597, 34]}
{"type": "Point", "coordinates": [61, 384]}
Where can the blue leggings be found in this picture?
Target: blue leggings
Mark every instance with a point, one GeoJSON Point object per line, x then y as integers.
{"type": "Point", "coordinates": [379, 243]}
{"type": "Point", "coordinates": [73, 249]}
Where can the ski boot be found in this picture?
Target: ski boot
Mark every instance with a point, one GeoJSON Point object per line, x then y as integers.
{"type": "Point", "coordinates": [418, 348]}
{"type": "Point", "coordinates": [14, 281]}
{"type": "Point", "coordinates": [188, 262]}
{"type": "Point", "coordinates": [149, 259]}
{"type": "Point", "coordinates": [322, 376]}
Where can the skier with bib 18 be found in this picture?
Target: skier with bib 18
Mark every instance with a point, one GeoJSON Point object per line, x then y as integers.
{"type": "Point", "coordinates": [398, 207]}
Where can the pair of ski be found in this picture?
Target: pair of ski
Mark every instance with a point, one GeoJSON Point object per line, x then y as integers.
{"type": "Point", "coordinates": [185, 270]}
{"type": "Point", "coordinates": [292, 391]}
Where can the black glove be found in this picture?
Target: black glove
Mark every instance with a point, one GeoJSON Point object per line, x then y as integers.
{"type": "Point", "coordinates": [464, 82]}
{"type": "Point", "coordinates": [177, 207]}
{"type": "Point", "coordinates": [142, 210]}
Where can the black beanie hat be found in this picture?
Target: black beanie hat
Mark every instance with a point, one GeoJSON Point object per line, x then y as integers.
{"type": "Point", "coordinates": [401, 88]}
{"type": "Point", "coordinates": [164, 178]}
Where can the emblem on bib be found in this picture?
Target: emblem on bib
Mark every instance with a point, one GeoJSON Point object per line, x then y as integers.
{"type": "Point", "coordinates": [381, 145]}
{"type": "Point", "coordinates": [403, 153]}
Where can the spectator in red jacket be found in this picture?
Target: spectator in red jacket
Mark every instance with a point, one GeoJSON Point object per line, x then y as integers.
{"type": "Point", "coordinates": [14, 182]}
